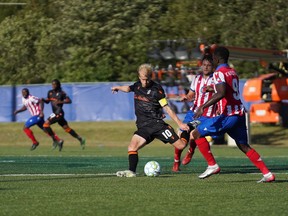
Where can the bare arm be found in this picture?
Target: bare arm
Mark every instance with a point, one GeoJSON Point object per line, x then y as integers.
{"type": "Point", "coordinates": [67, 100]}
{"type": "Point", "coordinates": [115, 89]}
{"type": "Point", "coordinates": [23, 108]}
{"type": "Point", "coordinates": [220, 93]}
{"type": "Point", "coordinates": [175, 118]}
{"type": "Point", "coordinates": [189, 96]}
{"type": "Point", "coordinates": [41, 108]}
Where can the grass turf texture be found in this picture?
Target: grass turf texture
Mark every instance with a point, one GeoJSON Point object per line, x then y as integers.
{"type": "Point", "coordinates": [76, 182]}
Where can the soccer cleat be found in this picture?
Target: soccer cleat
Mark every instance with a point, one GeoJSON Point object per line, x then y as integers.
{"type": "Point", "coordinates": [126, 173]}
{"type": "Point", "coordinates": [211, 170]}
{"type": "Point", "coordinates": [269, 177]}
{"type": "Point", "coordinates": [54, 145]}
{"type": "Point", "coordinates": [82, 143]}
{"type": "Point", "coordinates": [176, 166]}
{"type": "Point", "coordinates": [193, 124]}
{"type": "Point", "coordinates": [186, 160]}
{"type": "Point", "coordinates": [60, 144]}
{"type": "Point", "coordinates": [34, 146]}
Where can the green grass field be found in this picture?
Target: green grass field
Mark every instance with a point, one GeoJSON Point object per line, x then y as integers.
{"type": "Point", "coordinates": [83, 182]}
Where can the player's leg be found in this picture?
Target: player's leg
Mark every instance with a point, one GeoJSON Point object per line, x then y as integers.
{"type": "Point", "coordinates": [47, 128]}
{"type": "Point", "coordinates": [184, 135]}
{"type": "Point", "coordinates": [240, 137]}
{"type": "Point", "coordinates": [40, 125]}
{"type": "Point", "coordinates": [29, 123]}
{"type": "Point", "coordinates": [188, 157]}
{"type": "Point", "coordinates": [137, 142]}
{"type": "Point", "coordinates": [64, 124]}
{"type": "Point", "coordinates": [204, 147]}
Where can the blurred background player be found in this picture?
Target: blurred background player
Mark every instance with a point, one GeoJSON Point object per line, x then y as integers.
{"type": "Point", "coordinates": [232, 113]}
{"type": "Point", "coordinates": [201, 90]}
{"type": "Point", "coordinates": [58, 97]}
{"type": "Point", "coordinates": [149, 102]}
{"type": "Point", "coordinates": [35, 107]}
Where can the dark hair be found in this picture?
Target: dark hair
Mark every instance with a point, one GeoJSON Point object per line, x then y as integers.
{"type": "Point", "coordinates": [26, 90]}
{"type": "Point", "coordinates": [207, 57]}
{"type": "Point", "coordinates": [57, 83]}
{"type": "Point", "coordinates": [222, 53]}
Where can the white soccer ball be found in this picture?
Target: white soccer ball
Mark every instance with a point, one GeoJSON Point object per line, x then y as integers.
{"type": "Point", "coordinates": [152, 168]}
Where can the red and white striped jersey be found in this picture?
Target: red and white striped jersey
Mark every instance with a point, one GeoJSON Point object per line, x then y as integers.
{"type": "Point", "coordinates": [231, 103]}
{"type": "Point", "coordinates": [32, 104]}
{"type": "Point", "coordinates": [198, 86]}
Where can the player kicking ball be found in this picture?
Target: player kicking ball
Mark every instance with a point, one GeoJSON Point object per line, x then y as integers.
{"type": "Point", "coordinates": [149, 102]}
{"type": "Point", "coordinates": [35, 107]}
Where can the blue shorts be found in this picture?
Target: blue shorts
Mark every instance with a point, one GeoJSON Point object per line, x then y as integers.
{"type": "Point", "coordinates": [35, 120]}
{"type": "Point", "coordinates": [190, 117]}
{"type": "Point", "coordinates": [234, 126]}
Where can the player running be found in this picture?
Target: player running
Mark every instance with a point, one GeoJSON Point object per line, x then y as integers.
{"type": "Point", "coordinates": [35, 107]}
{"type": "Point", "coordinates": [201, 90]}
{"type": "Point", "coordinates": [232, 114]}
{"type": "Point", "coordinates": [149, 102]}
{"type": "Point", "coordinates": [58, 97]}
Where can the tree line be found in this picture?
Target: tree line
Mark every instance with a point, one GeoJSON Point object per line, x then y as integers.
{"type": "Point", "coordinates": [106, 40]}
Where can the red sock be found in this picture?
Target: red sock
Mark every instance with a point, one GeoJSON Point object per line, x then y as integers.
{"type": "Point", "coordinates": [192, 146]}
{"type": "Point", "coordinates": [30, 134]}
{"type": "Point", "coordinates": [56, 137]}
{"type": "Point", "coordinates": [257, 161]}
{"type": "Point", "coordinates": [177, 154]}
{"type": "Point", "coordinates": [204, 148]}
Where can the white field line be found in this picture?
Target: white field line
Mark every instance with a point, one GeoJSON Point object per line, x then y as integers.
{"type": "Point", "coordinates": [97, 174]}
{"type": "Point", "coordinates": [57, 174]}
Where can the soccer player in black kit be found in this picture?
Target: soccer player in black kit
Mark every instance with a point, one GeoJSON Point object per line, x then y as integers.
{"type": "Point", "coordinates": [58, 97]}
{"type": "Point", "coordinates": [149, 102]}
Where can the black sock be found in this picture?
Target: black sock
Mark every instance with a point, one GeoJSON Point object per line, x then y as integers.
{"type": "Point", "coordinates": [133, 161]}
{"type": "Point", "coordinates": [49, 131]}
{"type": "Point", "coordinates": [185, 136]}
{"type": "Point", "coordinates": [74, 134]}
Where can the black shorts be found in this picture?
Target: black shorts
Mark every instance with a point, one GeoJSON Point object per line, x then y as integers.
{"type": "Point", "coordinates": [53, 118]}
{"type": "Point", "coordinates": [159, 130]}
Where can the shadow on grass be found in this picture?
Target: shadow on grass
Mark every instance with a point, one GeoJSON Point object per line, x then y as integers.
{"type": "Point", "coordinates": [39, 178]}
{"type": "Point", "coordinates": [275, 137]}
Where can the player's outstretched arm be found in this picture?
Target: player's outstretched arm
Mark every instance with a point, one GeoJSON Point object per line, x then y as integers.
{"type": "Point", "coordinates": [188, 97]}
{"type": "Point", "coordinates": [45, 100]}
{"type": "Point", "coordinates": [115, 89]}
{"type": "Point", "coordinates": [23, 108]}
{"type": "Point", "coordinates": [175, 118]}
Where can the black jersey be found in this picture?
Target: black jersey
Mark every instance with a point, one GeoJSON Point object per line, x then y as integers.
{"type": "Point", "coordinates": [56, 96]}
{"type": "Point", "coordinates": [146, 102]}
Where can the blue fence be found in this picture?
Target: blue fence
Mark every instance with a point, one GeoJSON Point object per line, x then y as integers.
{"type": "Point", "coordinates": [90, 102]}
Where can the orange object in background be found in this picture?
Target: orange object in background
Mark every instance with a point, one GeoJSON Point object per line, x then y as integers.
{"type": "Point", "coordinates": [257, 89]}
{"type": "Point", "coordinates": [279, 89]}
{"type": "Point", "coordinates": [265, 112]}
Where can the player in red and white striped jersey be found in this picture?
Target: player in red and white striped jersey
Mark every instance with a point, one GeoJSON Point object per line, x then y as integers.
{"type": "Point", "coordinates": [35, 107]}
{"type": "Point", "coordinates": [201, 90]}
{"type": "Point", "coordinates": [232, 114]}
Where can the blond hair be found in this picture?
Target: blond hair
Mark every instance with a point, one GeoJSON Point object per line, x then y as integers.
{"type": "Point", "coordinates": [147, 68]}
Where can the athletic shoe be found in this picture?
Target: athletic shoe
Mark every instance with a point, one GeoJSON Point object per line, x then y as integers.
{"type": "Point", "coordinates": [34, 146]}
{"type": "Point", "coordinates": [176, 166]}
{"type": "Point", "coordinates": [60, 144]}
{"type": "Point", "coordinates": [269, 177]}
{"type": "Point", "coordinates": [193, 124]}
{"type": "Point", "coordinates": [82, 143]}
{"type": "Point", "coordinates": [211, 170]}
{"type": "Point", "coordinates": [126, 173]}
{"type": "Point", "coordinates": [186, 160]}
{"type": "Point", "coordinates": [54, 145]}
